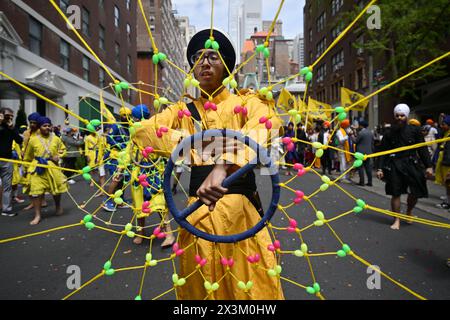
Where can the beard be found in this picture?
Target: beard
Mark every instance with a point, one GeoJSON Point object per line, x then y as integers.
{"type": "Point", "coordinates": [398, 123]}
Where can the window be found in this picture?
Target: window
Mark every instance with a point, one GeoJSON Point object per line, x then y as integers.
{"type": "Point", "coordinates": [152, 3]}
{"type": "Point", "coordinates": [129, 64]}
{"type": "Point", "coordinates": [86, 68]}
{"type": "Point", "coordinates": [128, 3]}
{"type": "Point", "coordinates": [35, 33]}
{"type": "Point", "coordinates": [336, 6]}
{"type": "Point", "coordinates": [129, 32]}
{"type": "Point", "coordinates": [64, 54]}
{"type": "Point", "coordinates": [320, 22]}
{"type": "Point", "coordinates": [117, 52]}
{"type": "Point", "coordinates": [101, 37]}
{"type": "Point", "coordinates": [321, 73]}
{"type": "Point", "coordinates": [64, 4]}
{"type": "Point", "coordinates": [336, 31]}
{"type": "Point", "coordinates": [101, 3]}
{"type": "Point", "coordinates": [337, 61]}
{"type": "Point", "coordinates": [101, 77]}
{"type": "Point", "coordinates": [85, 21]}
{"type": "Point", "coordinates": [310, 35]}
{"type": "Point", "coordinates": [116, 16]}
{"type": "Point", "coordinates": [320, 47]}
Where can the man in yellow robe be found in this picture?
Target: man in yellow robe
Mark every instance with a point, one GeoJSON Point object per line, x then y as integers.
{"type": "Point", "coordinates": [94, 148]}
{"type": "Point", "coordinates": [45, 148]}
{"type": "Point", "coordinates": [224, 213]}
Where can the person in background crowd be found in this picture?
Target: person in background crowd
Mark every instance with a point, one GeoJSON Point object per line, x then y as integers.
{"type": "Point", "coordinates": [45, 148]}
{"type": "Point", "coordinates": [291, 156]}
{"type": "Point", "coordinates": [301, 146]}
{"type": "Point", "coordinates": [403, 171]}
{"type": "Point", "coordinates": [72, 146]}
{"type": "Point", "coordinates": [343, 139]}
{"type": "Point", "coordinates": [443, 164]}
{"type": "Point", "coordinates": [8, 134]}
{"type": "Point", "coordinates": [324, 138]}
{"type": "Point", "coordinates": [364, 144]}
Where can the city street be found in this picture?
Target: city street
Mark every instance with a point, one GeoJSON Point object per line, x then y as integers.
{"type": "Point", "coordinates": [36, 267]}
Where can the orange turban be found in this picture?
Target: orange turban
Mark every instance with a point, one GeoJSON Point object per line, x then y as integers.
{"type": "Point", "coordinates": [345, 124]}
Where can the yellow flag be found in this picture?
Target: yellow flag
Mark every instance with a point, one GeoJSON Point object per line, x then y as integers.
{"type": "Point", "coordinates": [301, 105]}
{"type": "Point", "coordinates": [349, 97]}
{"type": "Point", "coordinates": [107, 115]}
{"type": "Point", "coordinates": [317, 110]}
{"type": "Point", "coordinates": [286, 100]}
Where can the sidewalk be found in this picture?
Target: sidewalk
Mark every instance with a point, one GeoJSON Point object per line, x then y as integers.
{"type": "Point", "coordinates": [426, 204]}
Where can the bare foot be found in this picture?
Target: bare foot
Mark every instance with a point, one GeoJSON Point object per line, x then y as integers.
{"type": "Point", "coordinates": [396, 225]}
{"type": "Point", "coordinates": [168, 242]}
{"type": "Point", "coordinates": [28, 207]}
{"type": "Point", "coordinates": [137, 240]}
{"type": "Point", "coordinates": [35, 221]}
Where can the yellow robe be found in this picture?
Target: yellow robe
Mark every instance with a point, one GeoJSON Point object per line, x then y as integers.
{"type": "Point", "coordinates": [233, 213]}
{"type": "Point", "coordinates": [27, 135]}
{"type": "Point", "coordinates": [157, 202]}
{"type": "Point", "coordinates": [94, 146]}
{"type": "Point", "coordinates": [52, 180]}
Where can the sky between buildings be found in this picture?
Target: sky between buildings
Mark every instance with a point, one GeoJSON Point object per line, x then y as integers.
{"type": "Point", "coordinates": [199, 13]}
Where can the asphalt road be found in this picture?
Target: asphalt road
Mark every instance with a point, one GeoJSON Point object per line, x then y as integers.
{"type": "Point", "coordinates": [36, 267]}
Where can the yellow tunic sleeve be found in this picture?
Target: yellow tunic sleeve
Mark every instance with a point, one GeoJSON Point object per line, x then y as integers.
{"type": "Point", "coordinates": [58, 148]}
{"type": "Point", "coordinates": [147, 134]}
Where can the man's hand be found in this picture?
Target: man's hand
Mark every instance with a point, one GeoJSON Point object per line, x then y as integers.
{"type": "Point", "coordinates": [429, 172]}
{"type": "Point", "coordinates": [55, 159]}
{"type": "Point", "coordinates": [2, 117]}
{"type": "Point", "coordinates": [211, 189]}
{"type": "Point", "coordinates": [380, 174]}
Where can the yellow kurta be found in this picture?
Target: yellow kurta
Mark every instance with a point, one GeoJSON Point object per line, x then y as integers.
{"type": "Point", "coordinates": [27, 135]}
{"type": "Point", "coordinates": [233, 213]}
{"type": "Point", "coordinates": [52, 180]}
{"type": "Point", "coordinates": [158, 203]}
{"type": "Point", "coordinates": [94, 146]}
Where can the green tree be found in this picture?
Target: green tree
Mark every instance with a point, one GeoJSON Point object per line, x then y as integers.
{"type": "Point", "coordinates": [412, 33]}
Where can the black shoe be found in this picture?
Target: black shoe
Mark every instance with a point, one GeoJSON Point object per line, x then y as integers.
{"type": "Point", "coordinates": [369, 185]}
{"type": "Point", "coordinates": [9, 214]}
{"type": "Point", "coordinates": [174, 190]}
{"type": "Point", "coordinates": [361, 184]}
{"type": "Point", "coordinates": [443, 205]}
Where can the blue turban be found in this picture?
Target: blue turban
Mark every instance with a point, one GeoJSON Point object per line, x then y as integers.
{"type": "Point", "coordinates": [140, 111]}
{"type": "Point", "coordinates": [34, 116]}
{"type": "Point", "coordinates": [43, 120]}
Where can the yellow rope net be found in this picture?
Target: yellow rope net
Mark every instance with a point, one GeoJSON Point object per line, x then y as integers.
{"type": "Point", "coordinates": [289, 210]}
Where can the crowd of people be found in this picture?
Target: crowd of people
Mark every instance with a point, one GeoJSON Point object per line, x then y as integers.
{"type": "Point", "coordinates": [53, 157]}
{"type": "Point", "coordinates": [432, 161]}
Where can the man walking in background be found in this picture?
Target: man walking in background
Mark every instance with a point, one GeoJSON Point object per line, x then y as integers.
{"type": "Point", "coordinates": [8, 134]}
{"type": "Point", "coordinates": [364, 144]}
